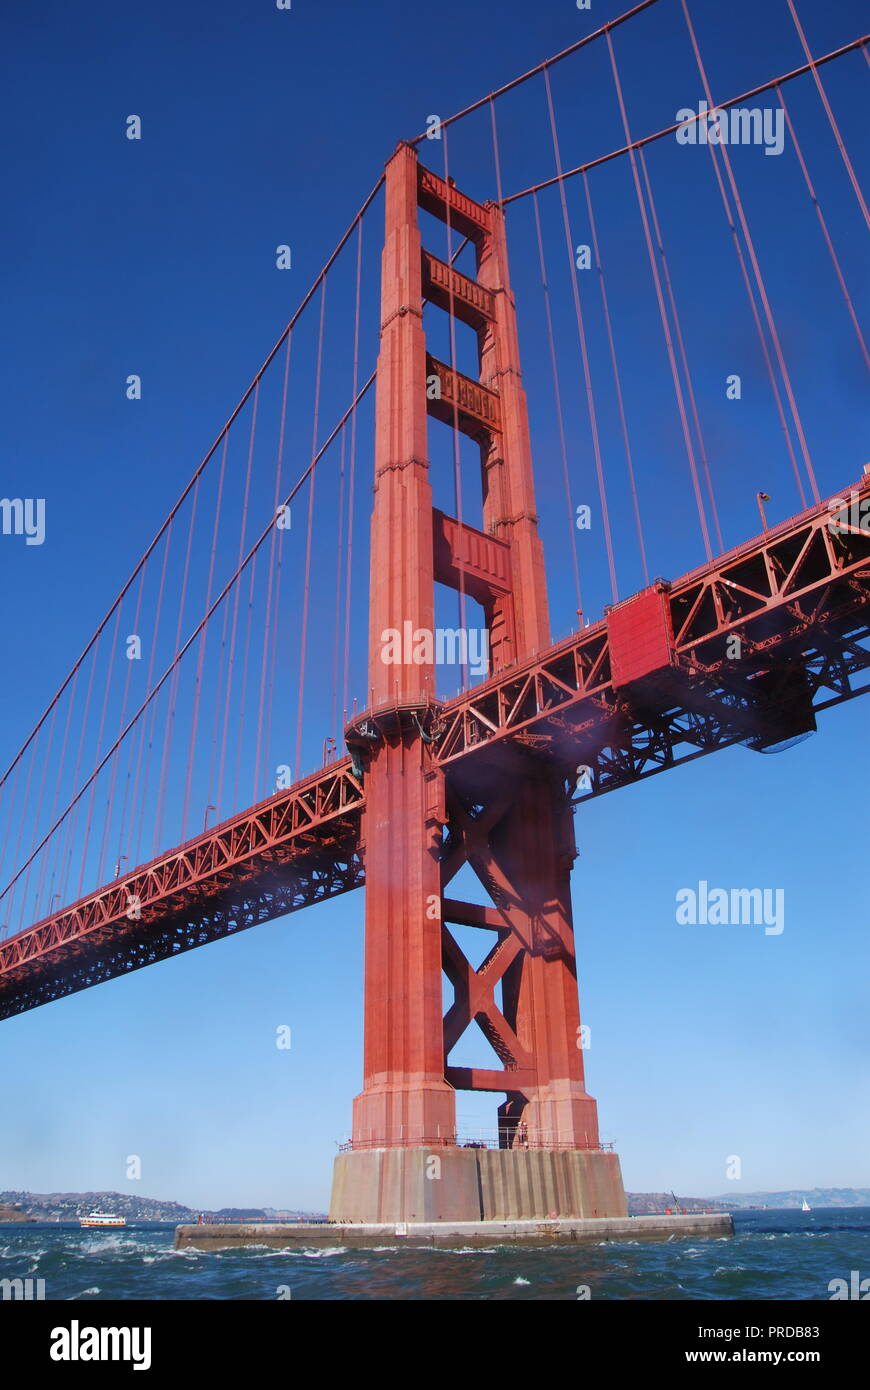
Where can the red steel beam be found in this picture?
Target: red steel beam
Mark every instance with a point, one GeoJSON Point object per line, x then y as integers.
{"type": "Point", "coordinates": [284, 852]}
{"type": "Point", "coordinates": [798, 598]}
{"type": "Point", "coordinates": [444, 200]}
{"type": "Point", "coordinates": [445, 286]}
{"type": "Point", "coordinates": [477, 409]}
{"type": "Point", "coordinates": [798, 595]}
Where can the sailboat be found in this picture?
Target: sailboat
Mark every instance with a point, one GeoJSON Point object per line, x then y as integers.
{"type": "Point", "coordinates": [805, 1206]}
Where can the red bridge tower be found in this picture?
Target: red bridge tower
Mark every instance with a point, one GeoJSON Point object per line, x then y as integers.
{"type": "Point", "coordinates": [500, 812]}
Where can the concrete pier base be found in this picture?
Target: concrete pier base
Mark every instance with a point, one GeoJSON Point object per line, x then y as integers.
{"type": "Point", "coordinates": [452, 1234]}
{"type": "Point", "coordinates": [461, 1184]}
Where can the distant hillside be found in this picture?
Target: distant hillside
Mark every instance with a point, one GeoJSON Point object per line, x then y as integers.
{"type": "Point", "coordinates": [646, 1203]}
{"type": "Point", "coordinates": [11, 1213]}
{"type": "Point", "coordinates": [69, 1206]}
{"type": "Point", "coordinates": [816, 1196]}
{"type": "Point", "coordinates": [651, 1203]}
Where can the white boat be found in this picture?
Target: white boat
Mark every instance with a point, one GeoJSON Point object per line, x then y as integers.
{"type": "Point", "coordinates": [102, 1218]}
{"type": "Point", "coordinates": [805, 1205]}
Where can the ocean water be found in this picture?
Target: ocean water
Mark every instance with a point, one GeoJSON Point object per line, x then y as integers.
{"type": "Point", "coordinates": [773, 1255]}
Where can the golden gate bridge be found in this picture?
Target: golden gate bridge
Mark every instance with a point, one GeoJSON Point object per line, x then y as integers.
{"type": "Point", "coordinates": [160, 800]}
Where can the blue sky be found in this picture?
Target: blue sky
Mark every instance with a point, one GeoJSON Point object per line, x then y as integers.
{"type": "Point", "coordinates": [263, 127]}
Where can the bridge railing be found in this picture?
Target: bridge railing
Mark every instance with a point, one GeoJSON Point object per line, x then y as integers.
{"type": "Point", "coordinates": [501, 1138]}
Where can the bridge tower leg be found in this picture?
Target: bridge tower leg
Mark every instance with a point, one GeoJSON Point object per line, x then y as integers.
{"type": "Point", "coordinates": [499, 812]}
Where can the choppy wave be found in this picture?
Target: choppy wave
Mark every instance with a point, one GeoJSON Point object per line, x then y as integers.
{"type": "Point", "coordinates": [773, 1255]}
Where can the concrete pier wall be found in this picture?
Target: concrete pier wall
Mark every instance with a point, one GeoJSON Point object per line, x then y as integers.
{"type": "Point", "coordinates": [457, 1184]}
{"type": "Point", "coordinates": [518, 1184]}
{"type": "Point", "coordinates": [446, 1234]}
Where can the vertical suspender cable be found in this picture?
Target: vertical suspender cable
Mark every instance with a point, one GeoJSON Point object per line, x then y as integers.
{"type": "Point", "coordinates": [122, 820]}
{"type": "Point", "coordinates": [151, 697]}
{"type": "Point", "coordinates": [54, 851]}
{"type": "Point", "coordinates": [200, 656]}
{"type": "Point", "coordinates": [222, 672]}
{"type": "Point", "coordinates": [741, 261]}
{"type": "Point", "coordinates": [146, 738]}
{"type": "Point", "coordinates": [22, 821]}
{"type": "Point", "coordinates": [166, 761]}
{"type": "Point", "coordinates": [244, 691]}
{"type": "Point", "coordinates": [495, 152]}
{"type": "Point", "coordinates": [307, 588]}
{"type": "Point", "coordinates": [64, 868]}
{"type": "Point", "coordinates": [231, 663]}
{"type": "Point", "coordinates": [759, 280]}
{"type": "Point", "coordinates": [559, 415]}
{"type": "Point", "coordinates": [349, 569]}
{"type": "Point", "coordinates": [113, 656]}
{"type": "Point", "coordinates": [824, 226]}
{"type": "Point", "coordinates": [333, 724]}
{"type": "Point", "coordinates": [43, 861]}
{"type": "Point", "coordinates": [584, 353]}
{"type": "Point", "coordinates": [678, 390]}
{"type": "Point", "coordinates": [270, 637]}
{"type": "Point", "coordinates": [616, 376]}
{"type": "Point", "coordinates": [829, 113]}
{"type": "Point", "coordinates": [687, 375]}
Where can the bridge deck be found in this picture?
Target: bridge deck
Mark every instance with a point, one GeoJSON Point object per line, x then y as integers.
{"type": "Point", "coordinates": [798, 599]}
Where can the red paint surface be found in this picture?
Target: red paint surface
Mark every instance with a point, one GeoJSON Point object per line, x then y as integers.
{"type": "Point", "coordinates": [515, 833]}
